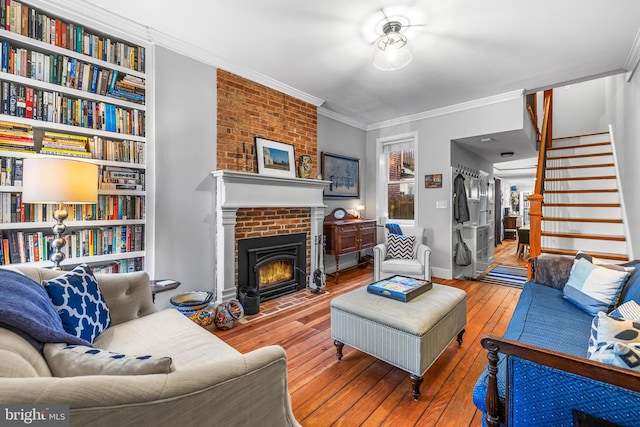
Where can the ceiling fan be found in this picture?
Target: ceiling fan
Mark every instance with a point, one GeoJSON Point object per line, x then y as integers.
{"type": "Point", "coordinates": [391, 49]}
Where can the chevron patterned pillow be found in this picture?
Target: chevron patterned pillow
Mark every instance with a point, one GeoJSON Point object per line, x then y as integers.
{"type": "Point", "coordinates": [399, 246]}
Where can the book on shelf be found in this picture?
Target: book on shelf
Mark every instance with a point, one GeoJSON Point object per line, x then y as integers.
{"type": "Point", "coordinates": [400, 288]}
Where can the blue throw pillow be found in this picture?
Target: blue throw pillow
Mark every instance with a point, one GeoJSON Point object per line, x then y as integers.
{"type": "Point", "coordinates": [79, 302]}
{"type": "Point", "coordinates": [594, 288]}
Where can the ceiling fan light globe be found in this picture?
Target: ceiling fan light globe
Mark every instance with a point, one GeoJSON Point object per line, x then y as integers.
{"type": "Point", "coordinates": [392, 57]}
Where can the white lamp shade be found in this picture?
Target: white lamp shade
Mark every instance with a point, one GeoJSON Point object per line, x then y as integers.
{"type": "Point", "coordinates": [393, 57]}
{"type": "Point", "coordinates": [53, 180]}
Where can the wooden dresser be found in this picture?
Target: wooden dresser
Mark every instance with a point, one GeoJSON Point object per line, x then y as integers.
{"type": "Point", "coordinates": [346, 233]}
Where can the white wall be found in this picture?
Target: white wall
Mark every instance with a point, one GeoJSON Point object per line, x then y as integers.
{"type": "Point", "coordinates": [434, 156]}
{"type": "Point", "coordinates": [185, 154]}
{"type": "Point", "coordinates": [579, 109]}
{"type": "Point", "coordinates": [338, 138]}
{"type": "Point", "coordinates": [623, 110]}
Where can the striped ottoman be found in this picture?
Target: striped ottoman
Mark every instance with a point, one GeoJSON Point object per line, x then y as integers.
{"type": "Point", "coordinates": [409, 335]}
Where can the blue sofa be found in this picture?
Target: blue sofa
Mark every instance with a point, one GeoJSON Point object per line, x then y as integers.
{"type": "Point", "coordinates": [538, 373]}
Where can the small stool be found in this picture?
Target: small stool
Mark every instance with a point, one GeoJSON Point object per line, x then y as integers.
{"type": "Point", "coordinates": [409, 335]}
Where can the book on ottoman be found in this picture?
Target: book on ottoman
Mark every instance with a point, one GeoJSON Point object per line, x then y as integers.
{"type": "Point", "coordinates": [400, 288]}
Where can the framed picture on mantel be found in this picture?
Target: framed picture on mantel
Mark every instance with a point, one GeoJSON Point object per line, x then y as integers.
{"type": "Point", "coordinates": [344, 174]}
{"type": "Point", "coordinates": [275, 158]}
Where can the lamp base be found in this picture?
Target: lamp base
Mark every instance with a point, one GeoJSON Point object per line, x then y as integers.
{"type": "Point", "coordinates": [58, 242]}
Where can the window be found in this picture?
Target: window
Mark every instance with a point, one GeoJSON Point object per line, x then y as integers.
{"type": "Point", "coordinates": [400, 166]}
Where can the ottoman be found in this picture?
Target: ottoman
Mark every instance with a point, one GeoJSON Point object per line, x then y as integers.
{"type": "Point", "coordinates": [409, 335]}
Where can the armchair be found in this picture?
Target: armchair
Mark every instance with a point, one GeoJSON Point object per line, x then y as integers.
{"type": "Point", "coordinates": [419, 266]}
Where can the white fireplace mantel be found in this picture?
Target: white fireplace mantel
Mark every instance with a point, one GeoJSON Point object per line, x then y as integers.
{"type": "Point", "coordinates": [235, 190]}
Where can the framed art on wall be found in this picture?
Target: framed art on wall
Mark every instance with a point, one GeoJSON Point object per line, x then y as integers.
{"type": "Point", "coordinates": [344, 174]}
{"type": "Point", "coordinates": [275, 158]}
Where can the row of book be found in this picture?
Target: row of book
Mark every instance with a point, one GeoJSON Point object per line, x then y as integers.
{"type": "Point", "coordinates": [71, 72]}
{"type": "Point", "coordinates": [21, 246]}
{"type": "Point", "coordinates": [117, 151]}
{"type": "Point", "coordinates": [30, 22]}
{"type": "Point", "coordinates": [120, 178]}
{"type": "Point", "coordinates": [32, 103]}
{"type": "Point", "coordinates": [108, 208]}
{"type": "Point", "coordinates": [127, 265]}
{"type": "Point", "coordinates": [21, 138]}
{"type": "Point", "coordinates": [16, 136]}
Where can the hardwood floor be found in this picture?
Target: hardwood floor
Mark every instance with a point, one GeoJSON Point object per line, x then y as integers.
{"type": "Point", "coordinates": [363, 391]}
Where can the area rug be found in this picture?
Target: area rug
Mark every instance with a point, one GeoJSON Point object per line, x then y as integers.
{"type": "Point", "coordinates": [286, 302]}
{"type": "Point", "coordinates": [507, 275]}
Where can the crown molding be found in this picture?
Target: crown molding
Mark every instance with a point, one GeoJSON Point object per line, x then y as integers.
{"type": "Point", "coordinates": [109, 22]}
{"type": "Point", "coordinates": [482, 102]}
{"type": "Point", "coordinates": [340, 118]}
{"type": "Point", "coordinates": [633, 58]}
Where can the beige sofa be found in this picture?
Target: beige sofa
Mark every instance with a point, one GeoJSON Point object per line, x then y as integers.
{"type": "Point", "coordinates": [211, 383]}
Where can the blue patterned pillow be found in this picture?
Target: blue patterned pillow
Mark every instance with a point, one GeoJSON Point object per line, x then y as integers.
{"type": "Point", "coordinates": [78, 360]}
{"type": "Point", "coordinates": [79, 302]}
{"type": "Point", "coordinates": [594, 288]}
{"type": "Point", "coordinates": [606, 330]}
{"type": "Point", "coordinates": [399, 246]}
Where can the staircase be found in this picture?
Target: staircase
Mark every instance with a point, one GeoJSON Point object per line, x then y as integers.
{"type": "Point", "coordinates": [582, 208]}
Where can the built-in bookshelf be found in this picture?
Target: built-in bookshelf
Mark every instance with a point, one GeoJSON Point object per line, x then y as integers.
{"type": "Point", "coordinates": [69, 90]}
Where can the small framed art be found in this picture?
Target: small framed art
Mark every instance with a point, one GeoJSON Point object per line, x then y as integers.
{"type": "Point", "coordinates": [433, 181]}
{"type": "Point", "coordinates": [275, 158]}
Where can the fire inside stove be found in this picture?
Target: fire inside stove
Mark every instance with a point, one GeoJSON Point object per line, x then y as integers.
{"type": "Point", "coordinates": [275, 272]}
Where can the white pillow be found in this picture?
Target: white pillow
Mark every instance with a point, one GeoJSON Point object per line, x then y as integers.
{"type": "Point", "coordinates": [607, 330]}
{"type": "Point", "coordinates": [78, 360]}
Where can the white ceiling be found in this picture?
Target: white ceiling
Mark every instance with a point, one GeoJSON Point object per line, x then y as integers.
{"type": "Point", "coordinates": [464, 49]}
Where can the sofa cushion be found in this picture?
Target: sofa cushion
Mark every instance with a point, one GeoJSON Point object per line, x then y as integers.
{"type": "Point", "coordinates": [166, 333]}
{"type": "Point", "coordinates": [400, 246]}
{"type": "Point", "coordinates": [19, 358]}
{"type": "Point", "coordinates": [79, 303]}
{"type": "Point", "coordinates": [619, 354]}
{"type": "Point", "coordinates": [594, 288]}
{"type": "Point", "coordinates": [76, 360]}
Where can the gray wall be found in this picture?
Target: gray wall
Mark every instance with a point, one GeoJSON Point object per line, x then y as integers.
{"type": "Point", "coordinates": [579, 109]}
{"type": "Point", "coordinates": [185, 154]}
{"type": "Point", "coordinates": [623, 110]}
{"type": "Point", "coordinates": [337, 138]}
{"type": "Point", "coordinates": [434, 156]}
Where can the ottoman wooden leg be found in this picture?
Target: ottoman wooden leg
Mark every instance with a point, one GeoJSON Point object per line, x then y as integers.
{"type": "Point", "coordinates": [460, 337]}
{"type": "Point", "coordinates": [415, 385]}
{"type": "Point", "coordinates": [339, 346]}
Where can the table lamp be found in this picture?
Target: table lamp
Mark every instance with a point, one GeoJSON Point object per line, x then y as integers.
{"type": "Point", "coordinates": [360, 209]}
{"type": "Point", "coordinates": [59, 180]}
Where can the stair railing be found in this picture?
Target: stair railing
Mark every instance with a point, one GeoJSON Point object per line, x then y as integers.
{"type": "Point", "coordinates": [535, 199]}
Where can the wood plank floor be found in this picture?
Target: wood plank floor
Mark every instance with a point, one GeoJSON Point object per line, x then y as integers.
{"type": "Point", "coordinates": [363, 391]}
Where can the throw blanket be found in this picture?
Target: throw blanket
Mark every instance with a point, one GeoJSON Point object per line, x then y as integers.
{"type": "Point", "coordinates": [394, 228]}
{"type": "Point", "coordinates": [25, 308]}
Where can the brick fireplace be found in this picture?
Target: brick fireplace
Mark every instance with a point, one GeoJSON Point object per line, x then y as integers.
{"type": "Point", "coordinates": [250, 205]}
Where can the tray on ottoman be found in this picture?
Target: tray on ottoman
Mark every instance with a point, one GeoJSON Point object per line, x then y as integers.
{"type": "Point", "coordinates": [409, 335]}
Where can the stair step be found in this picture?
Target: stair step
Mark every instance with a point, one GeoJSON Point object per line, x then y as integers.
{"type": "Point", "coordinates": [579, 197]}
{"type": "Point", "coordinates": [603, 147]}
{"type": "Point", "coordinates": [585, 236]}
{"type": "Point", "coordinates": [577, 242]}
{"type": "Point", "coordinates": [581, 183]}
{"type": "Point", "coordinates": [592, 165]}
{"type": "Point", "coordinates": [579, 146]}
{"type": "Point", "coordinates": [616, 257]}
{"type": "Point", "coordinates": [583, 226]}
{"type": "Point", "coordinates": [585, 172]}
{"type": "Point", "coordinates": [581, 140]}
{"type": "Point", "coordinates": [597, 220]}
{"type": "Point", "coordinates": [565, 210]}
